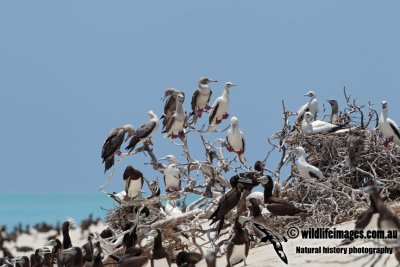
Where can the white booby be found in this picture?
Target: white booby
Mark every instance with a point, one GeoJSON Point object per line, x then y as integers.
{"type": "Point", "coordinates": [175, 125]}
{"type": "Point", "coordinates": [171, 209]}
{"type": "Point", "coordinates": [201, 97]}
{"type": "Point", "coordinates": [133, 182]}
{"type": "Point", "coordinates": [335, 110]}
{"type": "Point", "coordinates": [306, 170]}
{"type": "Point", "coordinates": [172, 176]}
{"type": "Point", "coordinates": [235, 139]}
{"type": "Point", "coordinates": [315, 127]}
{"type": "Point", "coordinates": [311, 106]}
{"type": "Point", "coordinates": [238, 244]}
{"type": "Point", "coordinates": [145, 132]}
{"type": "Point", "coordinates": [113, 143]}
{"type": "Point", "coordinates": [388, 127]}
{"type": "Point", "coordinates": [219, 110]}
{"type": "Point", "coordinates": [170, 103]}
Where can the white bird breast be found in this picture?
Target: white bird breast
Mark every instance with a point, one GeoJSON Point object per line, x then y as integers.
{"type": "Point", "coordinates": [202, 98]}
{"type": "Point", "coordinates": [238, 254]}
{"type": "Point", "coordinates": [235, 141]}
{"type": "Point", "coordinates": [223, 106]}
{"type": "Point", "coordinates": [171, 177]}
{"type": "Point", "coordinates": [134, 188]}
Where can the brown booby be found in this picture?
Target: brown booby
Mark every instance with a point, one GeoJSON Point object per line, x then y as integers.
{"type": "Point", "coordinates": [113, 143]}
{"type": "Point", "coordinates": [170, 103]}
{"type": "Point", "coordinates": [388, 127]}
{"type": "Point", "coordinates": [145, 132]}
{"type": "Point", "coordinates": [133, 182]}
{"type": "Point", "coordinates": [309, 126]}
{"type": "Point", "coordinates": [76, 256]}
{"type": "Point", "coordinates": [159, 256]}
{"type": "Point", "coordinates": [188, 259]}
{"type": "Point", "coordinates": [238, 244]}
{"type": "Point", "coordinates": [262, 232]}
{"type": "Point", "coordinates": [306, 170]}
{"type": "Point", "coordinates": [239, 182]}
{"type": "Point", "coordinates": [172, 176]}
{"type": "Point", "coordinates": [200, 98]}
{"type": "Point", "coordinates": [278, 206]}
{"type": "Point", "coordinates": [219, 110]}
{"type": "Point", "coordinates": [335, 110]}
{"type": "Point", "coordinates": [175, 125]}
{"type": "Point", "coordinates": [235, 140]}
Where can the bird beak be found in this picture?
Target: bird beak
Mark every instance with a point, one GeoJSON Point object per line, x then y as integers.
{"type": "Point", "coordinates": [212, 81]}
{"type": "Point", "coordinates": [245, 181]}
{"type": "Point", "coordinates": [69, 251]}
{"type": "Point", "coordinates": [164, 158]}
{"type": "Point", "coordinates": [263, 180]}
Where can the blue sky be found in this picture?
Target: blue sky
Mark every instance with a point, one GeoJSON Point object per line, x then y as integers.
{"type": "Point", "coordinates": [70, 71]}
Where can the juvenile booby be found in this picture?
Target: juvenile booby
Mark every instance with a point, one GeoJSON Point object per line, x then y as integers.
{"type": "Point", "coordinates": [388, 127]}
{"type": "Point", "coordinates": [175, 126]}
{"type": "Point", "coordinates": [133, 181]}
{"type": "Point", "coordinates": [238, 244]}
{"type": "Point", "coordinates": [219, 110]}
{"type": "Point", "coordinates": [278, 206]}
{"type": "Point", "coordinates": [335, 110]}
{"type": "Point", "coordinates": [262, 232]}
{"type": "Point", "coordinates": [355, 144]}
{"type": "Point", "coordinates": [172, 176]}
{"type": "Point", "coordinates": [159, 256]}
{"type": "Point", "coordinates": [306, 170]}
{"type": "Point", "coordinates": [145, 132]}
{"type": "Point", "coordinates": [315, 127]}
{"type": "Point", "coordinates": [113, 143]}
{"type": "Point", "coordinates": [170, 103]}
{"type": "Point", "coordinates": [235, 139]}
{"type": "Point", "coordinates": [201, 97]}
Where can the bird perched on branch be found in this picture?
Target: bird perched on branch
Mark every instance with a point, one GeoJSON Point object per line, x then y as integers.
{"type": "Point", "coordinates": [235, 140]}
{"type": "Point", "coordinates": [172, 175]}
{"type": "Point", "coordinates": [113, 143]}
{"type": "Point", "coordinates": [306, 170]}
{"type": "Point", "coordinates": [145, 132]}
{"type": "Point", "coordinates": [309, 126]}
{"type": "Point", "coordinates": [175, 125]}
{"type": "Point", "coordinates": [170, 103]}
{"type": "Point", "coordinates": [133, 182]}
{"type": "Point", "coordinates": [219, 110]}
{"type": "Point", "coordinates": [388, 127]}
{"type": "Point", "coordinates": [201, 98]}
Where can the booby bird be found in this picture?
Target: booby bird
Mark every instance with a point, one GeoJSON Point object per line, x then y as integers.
{"type": "Point", "coordinates": [201, 97]}
{"type": "Point", "coordinates": [335, 110]}
{"type": "Point", "coordinates": [133, 182]}
{"type": "Point", "coordinates": [188, 259]}
{"type": "Point", "coordinates": [315, 127]}
{"type": "Point", "coordinates": [154, 189]}
{"type": "Point", "coordinates": [311, 106]}
{"type": "Point", "coordinates": [159, 256]}
{"type": "Point", "coordinates": [388, 127]}
{"type": "Point", "coordinates": [170, 103]}
{"type": "Point", "coordinates": [75, 254]}
{"type": "Point", "coordinates": [262, 232]}
{"type": "Point", "coordinates": [113, 143]}
{"type": "Point", "coordinates": [145, 132]}
{"type": "Point", "coordinates": [355, 144]}
{"type": "Point", "coordinates": [278, 206]}
{"type": "Point", "coordinates": [172, 176]}
{"type": "Point", "coordinates": [239, 182]}
{"type": "Point", "coordinates": [238, 244]}
{"type": "Point", "coordinates": [175, 126]}
{"type": "Point", "coordinates": [219, 110]}
{"type": "Point", "coordinates": [235, 139]}
{"type": "Point", "coordinates": [66, 243]}
{"type": "Point", "coordinates": [306, 170]}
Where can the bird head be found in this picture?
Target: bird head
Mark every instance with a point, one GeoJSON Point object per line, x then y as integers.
{"type": "Point", "coordinates": [234, 121]}
{"type": "Point", "coordinates": [228, 85]}
{"type": "Point", "coordinates": [332, 101]}
{"type": "Point", "coordinates": [310, 94]}
{"type": "Point", "coordinates": [308, 116]}
{"type": "Point", "coordinates": [299, 151]}
{"type": "Point", "coordinates": [384, 104]}
{"type": "Point", "coordinates": [205, 80]}
{"type": "Point", "coordinates": [152, 114]}
{"type": "Point", "coordinates": [169, 158]}
{"type": "Point", "coordinates": [130, 130]}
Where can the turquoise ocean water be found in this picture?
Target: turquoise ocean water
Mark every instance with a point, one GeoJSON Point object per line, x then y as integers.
{"type": "Point", "coordinates": [32, 208]}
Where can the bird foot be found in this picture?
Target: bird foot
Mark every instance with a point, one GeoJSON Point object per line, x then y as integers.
{"type": "Point", "coordinates": [240, 152]}
{"type": "Point", "coordinates": [225, 116]}
{"type": "Point", "coordinates": [388, 141]}
{"type": "Point", "coordinates": [181, 135]}
{"type": "Point", "coordinates": [217, 121]}
{"type": "Point", "coordinates": [149, 142]}
{"type": "Point", "coordinates": [173, 136]}
{"type": "Point", "coordinates": [119, 153]}
{"type": "Point", "coordinates": [207, 107]}
{"type": "Point", "coordinates": [199, 113]}
{"type": "Point", "coordinates": [229, 148]}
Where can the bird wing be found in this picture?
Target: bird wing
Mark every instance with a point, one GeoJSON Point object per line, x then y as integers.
{"type": "Point", "coordinates": [394, 127]}
{"type": "Point", "coordinates": [279, 209]}
{"type": "Point", "coordinates": [209, 96]}
{"type": "Point", "coordinates": [170, 122]}
{"type": "Point", "coordinates": [226, 204]}
{"type": "Point", "coordinates": [132, 173]}
{"type": "Point", "coordinates": [243, 142]}
{"type": "Point", "coordinates": [145, 130]}
{"type": "Point", "coordinates": [112, 143]}
{"type": "Point", "coordinates": [302, 110]}
{"type": "Point", "coordinates": [269, 236]}
{"type": "Point", "coordinates": [194, 99]}
{"type": "Point", "coordinates": [169, 104]}
{"type": "Point", "coordinates": [315, 172]}
{"type": "Point", "coordinates": [213, 112]}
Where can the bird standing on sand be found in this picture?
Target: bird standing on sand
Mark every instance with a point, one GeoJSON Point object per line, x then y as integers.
{"type": "Point", "coordinates": [175, 125]}
{"type": "Point", "coordinates": [133, 182]}
{"type": "Point", "coordinates": [306, 170]}
{"type": "Point", "coordinates": [172, 175]}
{"type": "Point", "coordinates": [219, 110]}
{"type": "Point", "coordinates": [201, 97]}
{"type": "Point", "coordinates": [239, 243]}
{"type": "Point", "coordinates": [113, 143]}
{"type": "Point", "coordinates": [388, 127]}
{"type": "Point", "coordinates": [235, 140]}
{"type": "Point", "coordinates": [145, 132]}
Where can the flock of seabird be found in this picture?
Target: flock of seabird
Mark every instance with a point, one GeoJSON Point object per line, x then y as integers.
{"type": "Point", "coordinates": [238, 197]}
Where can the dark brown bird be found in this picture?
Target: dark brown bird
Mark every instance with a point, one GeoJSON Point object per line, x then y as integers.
{"type": "Point", "coordinates": [133, 182]}
{"type": "Point", "coordinates": [170, 103]}
{"type": "Point", "coordinates": [355, 145]}
{"type": "Point", "coordinates": [113, 143]}
{"type": "Point", "coordinates": [159, 256]}
{"type": "Point", "coordinates": [200, 99]}
{"type": "Point", "coordinates": [145, 132]}
{"type": "Point", "coordinates": [188, 259]}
